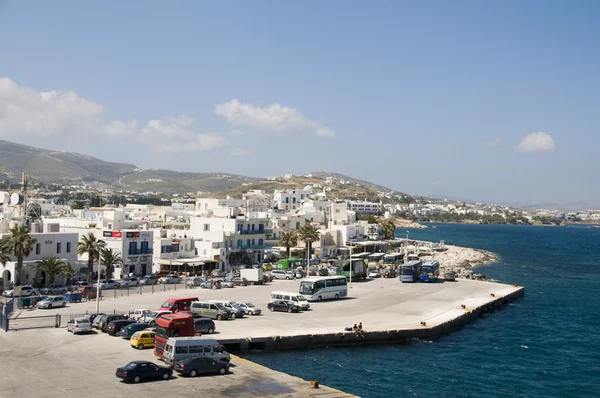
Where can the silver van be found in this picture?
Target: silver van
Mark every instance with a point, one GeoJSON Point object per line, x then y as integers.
{"type": "Point", "coordinates": [178, 348]}
{"type": "Point", "coordinates": [210, 310]}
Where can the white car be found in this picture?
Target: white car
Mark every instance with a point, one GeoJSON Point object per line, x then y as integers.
{"type": "Point", "coordinates": [248, 308]}
{"type": "Point", "coordinates": [107, 284]}
{"type": "Point", "coordinates": [374, 274]}
{"type": "Point", "coordinates": [26, 291]}
{"type": "Point", "coordinates": [79, 325]}
{"type": "Point", "coordinates": [169, 279]}
{"type": "Point", "coordinates": [150, 318]}
{"type": "Point", "coordinates": [52, 302]}
{"type": "Point", "coordinates": [138, 314]}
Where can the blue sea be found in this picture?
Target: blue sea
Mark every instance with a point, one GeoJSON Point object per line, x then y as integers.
{"type": "Point", "coordinates": [544, 345]}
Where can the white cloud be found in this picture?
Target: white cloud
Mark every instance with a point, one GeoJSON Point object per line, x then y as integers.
{"type": "Point", "coordinates": [25, 111]}
{"type": "Point", "coordinates": [236, 133]}
{"type": "Point", "coordinates": [274, 118]}
{"type": "Point", "coordinates": [171, 134]}
{"type": "Point", "coordinates": [536, 142]}
{"type": "Point", "coordinates": [494, 143]}
{"type": "Point", "coordinates": [239, 152]}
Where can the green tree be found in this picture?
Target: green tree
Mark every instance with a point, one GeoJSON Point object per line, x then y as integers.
{"type": "Point", "coordinates": [69, 272]}
{"type": "Point", "coordinates": [52, 266]}
{"type": "Point", "coordinates": [19, 244]}
{"type": "Point", "coordinates": [4, 253]}
{"type": "Point", "coordinates": [309, 234]}
{"type": "Point", "coordinates": [388, 228]}
{"type": "Point", "coordinates": [92, 246]}
{"type": "Point", "coordinates": [78, 205]}
{"type": "Point", "coordinates": [109, 259]}
{"type": "Point", "coordinates": [288, 240]}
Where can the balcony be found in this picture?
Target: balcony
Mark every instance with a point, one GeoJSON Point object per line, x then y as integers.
{"type": "Point", "coordinates": [254, 232]}
{"type": "Point", "coordinates": [140, 251]}
{"type": "Point", "coordinates": [252, 247]}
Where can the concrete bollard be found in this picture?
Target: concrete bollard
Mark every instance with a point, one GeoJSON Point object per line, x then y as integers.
{"type": "Point", "coordinates": [314, 384]}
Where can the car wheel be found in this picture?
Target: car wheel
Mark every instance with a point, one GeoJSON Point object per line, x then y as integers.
{"type": "Point", "coordinates": [287, 278]}
{"type": "Point", "coordinates": [222, 371]}
{"type": "Point", "coordinates": [211, 331]}
{"type": "Point", "coordinates": [193, 373]}
{"type": "Point", "coordinates": [64, 304]}
{"type": "Point", "coordinates": [137, 379]}
{"type": "Point", "coordinates": [166, 376]}
{"type": "Point", "coordinates": [152, 323]}
{"type": "Point", "coordinates": [271, 309]}
{"type": "Point", "coordinates": [219, 317]}
{"type": "Point", "coordinates": [337, 296]}
{"type": "Point", "coordinates": [319, 298]}
{"type": "Point", "coordinates": [140, 347]}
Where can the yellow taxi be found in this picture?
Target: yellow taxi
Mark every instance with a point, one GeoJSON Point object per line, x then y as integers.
{"type": "Point", "coordinates": [142, 339]}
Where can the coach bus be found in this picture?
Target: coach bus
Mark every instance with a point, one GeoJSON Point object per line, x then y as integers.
{"type": "Point", "coordinates": [323, 288]}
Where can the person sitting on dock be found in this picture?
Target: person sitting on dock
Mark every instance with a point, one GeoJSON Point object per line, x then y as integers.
{"type": "Point", "coordinates": [360, 330]}
{"type": "Point", "coordinates": [355, 328]}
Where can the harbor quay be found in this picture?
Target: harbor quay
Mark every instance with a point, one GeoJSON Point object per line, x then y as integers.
{"type": "Point", "coordinates": [388, 310]}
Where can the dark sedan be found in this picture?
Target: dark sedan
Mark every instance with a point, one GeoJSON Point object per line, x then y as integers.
{"type": "Point", "coordinates": [200, 365]}
{"type": "Point", "coordinates": [137, 371]}
{"type": "Point", "coordinates": [128, 330]}
{"type": "Point", "coordinates": [114, 327]}
{"type": "Point", "coordinates": [284, 306]}
{"type": "Point", "coordinates": [91, 317]}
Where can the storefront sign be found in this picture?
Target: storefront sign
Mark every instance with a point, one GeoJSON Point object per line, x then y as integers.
{"type": "Point", "coordinates": [132, 235]}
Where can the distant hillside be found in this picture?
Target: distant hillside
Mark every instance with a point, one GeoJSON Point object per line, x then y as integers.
{"type": "Point", "coordinates": [68, 167]}
{"type": "Point", "coordinates": [366, 184]}
{"type": "Point", "coordinates": [55, 166]}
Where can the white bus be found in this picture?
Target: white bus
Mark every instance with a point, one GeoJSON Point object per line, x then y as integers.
{"type": "Point", "coordinates": [323, 288]}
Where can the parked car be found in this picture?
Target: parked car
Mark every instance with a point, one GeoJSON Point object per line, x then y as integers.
{"type": "Point", "coordinates": [285, 306]}
{"type": "Point", "coordinates": [129, 282]}
{"type": "Point", "coordinates": [128, 330]}
{"type": "Point", "coordinates": [374, 273]}
{"type": "Point", "coordinates": [323, 271]}
{"type": "Point", "coordinates": [149, 280]}
{"type": "Point", "coordinates": [248, 308]}
{"type": "Point", "coordinates": [137, 371]}
{"type": "Point", "coordinates": [54, 289]}
{"type": "Point", "coordinates": [52, 302]}
{"type": "Point", "coordinates": [279, 274]}
{"type": "Point", "coordinates": [194, 366]}
{"type": "Point", "coordinates": [92, 317]}
{"type": "Point", "coordinates": [227, 283]}
{"type": "Point", "coordinates": [138, 313]}
{"type": "Point", "coordinates": [142, 339]}
{"type": "Point", "coordinates": [169, 279]}
{"type": "Point", "coordinates": [209, 284]}
{"type": "Point", "coordinates": [450, 276]}
{"type": "Point", "coordinates": [150, 318]}
{"type": "Point", "coordinates": [26, 291]}
{"type": "Point", "coordinates": [107, 284]}
{"type": "Point", "coordinates": [204, 325]}
{"type": "Point", "coordinates": [79, 325]}
{"type": "Point", "coordinates": [83, 284]}
{"type": "Point", "coordinates": [103, 320]}
{"type": "Point", "coordinates": [239, 281]}
{"type": "Point", "coordinates": [211, 310]}
{"type": "Point", "coordinates": [114, 327]}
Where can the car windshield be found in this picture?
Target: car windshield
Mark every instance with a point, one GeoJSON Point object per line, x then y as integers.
{"type": "Point", "coordinates": [220, 306]}
{"type": "Point", "coordinates": [135, 335]}
{"type": "Point", "coordinates": [249, 305]}
{"type": "Point", "coordinates": [301, 298]}
{"type": "Point", "coordinates": [167, 304]}
{"type": "Point", "coordinates": [130, 365]}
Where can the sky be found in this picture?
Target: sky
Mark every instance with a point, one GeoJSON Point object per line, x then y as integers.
{"type": "Point", "coordinates": [495, 101]}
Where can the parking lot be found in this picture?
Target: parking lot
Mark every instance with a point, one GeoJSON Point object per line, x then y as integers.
{"type": "Point", "coordinates": [380, 304]}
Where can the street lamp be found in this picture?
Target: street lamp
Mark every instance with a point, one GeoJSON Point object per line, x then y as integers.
{"type": "Point", "coordinates": [97, 287]}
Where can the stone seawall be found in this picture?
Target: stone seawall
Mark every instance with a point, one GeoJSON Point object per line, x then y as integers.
{"type": "Point", "coordinates": [425, 331]}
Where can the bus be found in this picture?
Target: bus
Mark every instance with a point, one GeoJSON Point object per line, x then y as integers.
{"type": "Point", "coordinates": [172, 325]}
{"type": "Point", "coordinates": [290, 263]}
{"type": "Point", "coordinates": [375, 258]}
{"type": "Point", "coordinates": [393, 259]}
{"type": "Point", "coordinates": [323, 288]}
{"type": "Point", "coordinates": [354, 269]}
{"type": "Point", "coordinates": [410, 271]}
{"type": "Point", "coordinates": [430, 271]}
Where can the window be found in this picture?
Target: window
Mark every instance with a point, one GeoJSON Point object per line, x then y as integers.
{"type": "Point", "coordinates": [37, 248]}
{"type": "Point", "coordinates": [132, 248]}
{"type": "Point", "coordinates": [57, 247]}
{"type": "Point", "coordinates": [260, 242]}
{"type": "Point", "coordinates": [68, 247]}
{"type": "Point", "coordinates": [207, 349]}
{"type": "Point", "coordinates": [196, 349]}
{"type": "Point", "coordinates": [213, 307]}
{"type": "Point", "coordinates": [181, 350]}
{"type": "Point", "coordinates": [253, 240]}
{"type": "Point", "coordinates": [207, 227]}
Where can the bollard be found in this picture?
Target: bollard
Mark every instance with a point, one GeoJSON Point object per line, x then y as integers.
{"type": "Point", "coordinates": [175, 286]}
{"type": "Point", "coordinates": [115, 292]}
{"type": "Point", "coordinates": [152, 288]}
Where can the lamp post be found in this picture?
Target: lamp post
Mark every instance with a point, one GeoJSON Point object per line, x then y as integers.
{"type": "Point", "coordinates": [350, 262]}
{"type": "Point", "coordinates": [98, 288]}
{"type": "Point", "coordinates": [307, 255]}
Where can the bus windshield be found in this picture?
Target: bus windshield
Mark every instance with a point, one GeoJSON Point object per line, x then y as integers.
{"type": "Point", "coordinates": [406, 270]}
{"type": "Point", "coordinates": [427, 269]}
{"type": "Point", "coordinates": [307, 288]}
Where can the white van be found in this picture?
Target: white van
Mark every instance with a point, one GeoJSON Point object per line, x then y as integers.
{"type": "Point", "coordinates": [295, 298]}
{"type": "Point", "coordinates": [178, 348]}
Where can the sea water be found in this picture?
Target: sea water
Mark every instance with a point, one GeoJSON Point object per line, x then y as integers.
{"type": "Point", "coordinates": [544, 345]}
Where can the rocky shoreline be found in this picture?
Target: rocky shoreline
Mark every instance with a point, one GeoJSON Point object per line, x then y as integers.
{"type": "Point", "coordinates": [461, 259]}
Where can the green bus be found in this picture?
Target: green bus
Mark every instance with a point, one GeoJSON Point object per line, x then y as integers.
{"type": "Point", "coordinates": [355, 269]}
{"type": "Point", "coordinates": [290, 263]}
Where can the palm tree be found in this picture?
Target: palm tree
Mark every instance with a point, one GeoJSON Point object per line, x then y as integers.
{"type": "Point", "coordinates": [288, 239]}
{"type": "Point", "coordinates": [19, 244]}
{"type": "Point", "coordinates": [109, 258]}
{"type": "Point", "coordinates": [4, 259]}
{"type": "Point", "coordinates": [52, 266]}
{"type": "Point", "coordinates": [68, 272]}
{"type": "Point", "coordinates": [309, 234]}
{"type": "Point", "coordinates": [388, 228]}
{"type": "Point", "coordinates": [92, 246]}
